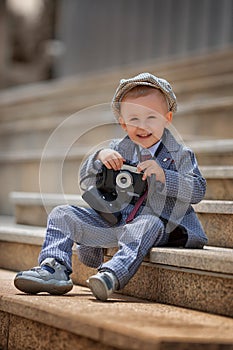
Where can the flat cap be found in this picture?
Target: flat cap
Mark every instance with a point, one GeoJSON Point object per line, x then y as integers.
{"type": "Point", "coordinates": [144, 79]}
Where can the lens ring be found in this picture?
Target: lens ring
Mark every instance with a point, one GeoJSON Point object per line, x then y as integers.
{"type": "Point", "coordinates": [124, 180]}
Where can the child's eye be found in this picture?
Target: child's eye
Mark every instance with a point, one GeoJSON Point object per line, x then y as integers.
{"type": "Point", "coordinates": [152, 117]}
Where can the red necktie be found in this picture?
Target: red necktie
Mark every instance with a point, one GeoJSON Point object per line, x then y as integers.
{"type": "Point", "coordinates": [140, 200]}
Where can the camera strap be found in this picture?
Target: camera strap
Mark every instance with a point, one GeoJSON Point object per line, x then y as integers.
{"type": "Point", "coordinates": [142, 157]}
{"type": "Point", "coordinates": [136, 207]}
{"type": "Point", "coordinates": [89, 176]}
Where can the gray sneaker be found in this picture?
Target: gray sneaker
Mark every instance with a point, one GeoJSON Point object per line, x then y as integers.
{"type": "Point", "coordinates": [51, 277]}
{"type": "Point", "coordinates": [103, 284]}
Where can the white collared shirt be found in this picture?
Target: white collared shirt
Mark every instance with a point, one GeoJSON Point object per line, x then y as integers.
{"type": "Point", "coordinates": [151, 149]}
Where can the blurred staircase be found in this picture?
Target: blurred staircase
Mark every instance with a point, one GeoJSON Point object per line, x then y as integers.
{"type": "Point", "coordinates": [179, 298]}
{"type": "Point", "coordinates": [64, 119]}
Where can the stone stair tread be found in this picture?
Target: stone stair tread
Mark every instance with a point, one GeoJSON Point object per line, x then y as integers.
{"type": "Point", "coordinates": [210, 259]}
{"type": "Point", "coordinates": [221, 103]}
{"type": "Point", "coordinates": [215, 215]}
{"type": "Point", "coordinates": [214, 206]}
{"type": "Point", "coordinates": [195, 279]}
{"type": "Point", "coordinates": [36, 198]}
{"type": "Point", "coordinates": [220, 63]}
{"type": "Point", "coordinates": [212, 146]}
{"type": "Point", "coordinates": [123, 322]}
{"type": "Point", "coordinates": [12, 232]}
{"type": "Point", "coordinates": [205, 83]}
{"type": "Point", "coordinates": [216, 147]}
{"type": "Point", "coordinates": [220, 171]}
{"type": "Point", "coordinates": [37, 117]}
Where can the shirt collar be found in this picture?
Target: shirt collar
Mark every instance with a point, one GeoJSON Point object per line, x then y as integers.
{"type": "Point", "coordinates": [152, 149]}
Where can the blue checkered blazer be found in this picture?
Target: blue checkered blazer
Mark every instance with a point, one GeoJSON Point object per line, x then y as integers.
{"type": "Point", "coordinates": [172, 201]}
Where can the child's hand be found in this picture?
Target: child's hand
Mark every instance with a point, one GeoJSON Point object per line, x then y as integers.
{"type": "Point", "coordinates": [150, 167]}
{"type": "Point", "coordinates": [111, 159]}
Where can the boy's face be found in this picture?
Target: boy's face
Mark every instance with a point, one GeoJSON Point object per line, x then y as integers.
{"type": "Point", "coordinates": [144, 118]}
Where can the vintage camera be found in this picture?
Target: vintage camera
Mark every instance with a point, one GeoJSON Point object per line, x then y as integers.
{"type": "Point", "coordinates": [114, 190]}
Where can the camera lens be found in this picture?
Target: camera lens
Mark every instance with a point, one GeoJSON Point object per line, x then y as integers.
{"type": "Point", "coordinates": [124, 180]}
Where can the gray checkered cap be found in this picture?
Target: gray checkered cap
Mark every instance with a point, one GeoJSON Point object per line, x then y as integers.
{"type": "Point", "coordinates": [143, 79]}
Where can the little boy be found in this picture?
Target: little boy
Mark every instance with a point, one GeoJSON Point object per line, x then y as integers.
{"type": "Point", "coordinates": [144, 106]}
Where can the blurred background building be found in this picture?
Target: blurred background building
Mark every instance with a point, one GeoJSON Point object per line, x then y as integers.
{"type": "Point", "coordinates": [44, 39]}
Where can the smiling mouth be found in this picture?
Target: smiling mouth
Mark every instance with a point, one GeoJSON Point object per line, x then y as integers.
{"type": "Point", "coordinates": [144, 136]}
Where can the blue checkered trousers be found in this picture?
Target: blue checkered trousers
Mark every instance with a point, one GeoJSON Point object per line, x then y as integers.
{"type": "Point", "coordinates": [166, 219]}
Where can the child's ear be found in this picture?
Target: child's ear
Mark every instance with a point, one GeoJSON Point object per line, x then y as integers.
{"type": "Point", "coordinates": [169, 117]}
{"type": "Point", "coordinates": [122, 123]}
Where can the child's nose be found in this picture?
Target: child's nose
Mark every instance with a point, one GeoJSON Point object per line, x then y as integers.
{"type": "Point", "coordinates": [142, 125]}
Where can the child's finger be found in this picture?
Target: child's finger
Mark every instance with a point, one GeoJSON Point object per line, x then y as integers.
{"type": "Point", "coordinates": [144, 176]}
{"type": "Point", "coordinates": [114, 163]}
{"type": "Point", "coordinates": [107, 164]}
{"type": "Point", "coordinates": [117, 164]}
{"type": "Point", "coordinates": [142, 166]}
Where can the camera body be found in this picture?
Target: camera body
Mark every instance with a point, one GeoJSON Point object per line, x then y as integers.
{"type": "Point", "coordinates": [126, 180]}
{"type": "Point", "coordinates": [114, 190]}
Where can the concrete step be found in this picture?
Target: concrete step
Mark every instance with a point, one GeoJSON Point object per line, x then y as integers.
{"type": "Point", "coordinates": [24, 175]}
{"type": "Point", "coordinates": [219, 182]}
{"type": "Point", "coordinates": [204, 87]}
{"type": "Point", "coordinates": [209, 117]}
{"type": "Point", "coordinates": [77, 320]}
{"type": "Point", "coordinates": [217, 220]}
{"type": "Point", "coordinates": [206, 118]}
{"type": "Point", "coordinates": [83, 126]}
{"type": "Point", "coordinates": [60, 160]}
{"type": "Point", "coordinates": [216, 216]}
{"type": "Point", "coordinates": [44, 106]}
{"type": "Point", "coordinates": [33, 208]}
{"type": "Point", "coordinates": [213, 152]}
{"type": "Point", "coordinates": [191, 278]}
{"type": "Point", "coordinates": [204, 68]}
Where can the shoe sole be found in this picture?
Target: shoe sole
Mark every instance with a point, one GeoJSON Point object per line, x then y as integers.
{"type": "Point", "coordinates": [98, 288]}
{"type": "Point", "coordinates": [31, 286]}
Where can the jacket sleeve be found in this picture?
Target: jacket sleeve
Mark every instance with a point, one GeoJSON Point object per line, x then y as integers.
{"type": "Point", "coordinates": [185, 182]}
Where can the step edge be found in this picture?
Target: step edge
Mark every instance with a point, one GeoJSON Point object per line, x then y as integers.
{"type": "Point", "coordinates": [93, 329]}
{"type": "Point", "coordinates": [217, 172]}
{"type": "Point", "coordinates": [30, 91]}
{"type": "Point", "coordinates": [80, 153]}
{"type": "Point", "coordinates": [33, 239]}
{"type": "Point", "coordinates": [36, 198]}
{"type": "Point", "coordinates": [192, 270]}
{"type": "Point", "coordinates": [210, 206]}
{"type": "Point", "coordinates": [201, 259]}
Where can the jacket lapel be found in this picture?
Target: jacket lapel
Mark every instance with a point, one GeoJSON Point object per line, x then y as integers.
{"type": "Point", "coordinates": [169, 146]}
{"type": "Point", "coordinates": [164, 158]}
